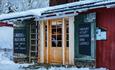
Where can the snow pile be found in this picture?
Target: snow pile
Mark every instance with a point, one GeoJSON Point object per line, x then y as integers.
{"type": "Point", "coordinates": [73, 68]}
{"type": "Point", "coordinates": [19, 67]}
{"type": "Point", "coordinates": [62, 68]}
{"type": "Point", "coordinates": [4, 59]}
{"type": "Point", "coordinates": [6, 37]}
{"type": "Point", "coordinates": [9, 67]}
{"type": "Point", "coordinates": [6, 45]}
{"type": "Point", "coordinates": [12, 66]}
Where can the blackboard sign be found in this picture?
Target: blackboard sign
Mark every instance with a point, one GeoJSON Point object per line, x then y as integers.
{"type": "Point", "coordinates": [84, 38]}
{"type": "Point", "coordinates": [20, 44]}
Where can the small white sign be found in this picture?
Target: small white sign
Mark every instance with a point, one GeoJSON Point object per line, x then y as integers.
{"type": "Point", "coordinates": [101, 35]}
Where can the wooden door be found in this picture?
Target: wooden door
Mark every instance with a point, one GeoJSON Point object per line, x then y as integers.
{"type": "Point", "coordinates": [54, 48]}
{"type": "Point", "coordinates": [56, 41]}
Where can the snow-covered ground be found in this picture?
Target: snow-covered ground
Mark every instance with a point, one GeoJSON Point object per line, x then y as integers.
{"type": "Point", "coordinates": [7, 64]}
{"type": "Point", "coordinates": [6, 42]}
{"type": "Point", "coordinates": [20, 67]}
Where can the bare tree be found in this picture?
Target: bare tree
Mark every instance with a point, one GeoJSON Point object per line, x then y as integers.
{"type": "Point", "coordinates": [7, 6]}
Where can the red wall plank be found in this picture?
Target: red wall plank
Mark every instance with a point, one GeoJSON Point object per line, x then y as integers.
{"type": "Point", "coordinates": [58, 2]}
{"type": "Point", "coordinates": [113, 40]}
{"type": "Point", "coordinates": [5, 24]}
{"type": "Point", "coordinates": [106, 49]}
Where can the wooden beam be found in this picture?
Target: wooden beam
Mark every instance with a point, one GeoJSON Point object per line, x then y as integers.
{"type": "Point", "coordinates": [42, 43]}
{"type": "Point", "coordinates": [71, 40]}
{"type": "Point", "coordinates": [63, 39]}
{"type": "Point", "coordinates": [48, 40]}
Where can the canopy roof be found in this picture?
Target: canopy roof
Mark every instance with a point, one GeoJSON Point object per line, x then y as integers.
{"type": "Point", "coordinates": [69, 9]}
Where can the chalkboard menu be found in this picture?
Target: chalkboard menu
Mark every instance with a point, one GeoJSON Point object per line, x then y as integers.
{"type": "Point", "coordinates": [84, 38]}
{"type": "Point", "coordinates": [20, 44]}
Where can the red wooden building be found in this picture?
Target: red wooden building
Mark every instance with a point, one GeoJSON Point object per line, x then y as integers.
{"type": "Point", "coordinates": [90, 33]}
{"type": "Point", "coordinates": [5, 24]}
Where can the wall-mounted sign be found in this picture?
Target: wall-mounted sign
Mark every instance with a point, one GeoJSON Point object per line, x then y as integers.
{"type": "Point", "coordinates": [101, 34]}
{"type": "Point", "coordinates": [20, 44]}
{"type": "Point", "coordinates": [85, 35]}
{"type": "Point", "coordinates": [84, 38]}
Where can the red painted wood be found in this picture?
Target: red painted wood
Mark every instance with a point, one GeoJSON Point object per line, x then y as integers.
{"type": "Point", "coordinates": [113, 40]}
{"type": "Point", "coordinates": [104, 47]}
{"type": "Point", "coordinates": [58, 2]}
{"type": "Point", "coordinates": [105, 52]}
{"type": "Point", "coordinates": [5, 24]}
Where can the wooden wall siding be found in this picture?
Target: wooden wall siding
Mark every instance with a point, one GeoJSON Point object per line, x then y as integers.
{"type": "Point", "coordinates": [106, 48]}
{"type": "Point", "coordinates": [58, 2]}
{"type": "Point", "coordinates": [66, 56]}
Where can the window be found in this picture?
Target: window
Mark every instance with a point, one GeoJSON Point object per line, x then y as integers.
{"type": "Point", "coordinates": [67, 32]}
{"type": "Point", "coordinates": [56, 33]}
{"type": "Point", "coordinates": [45, 33]}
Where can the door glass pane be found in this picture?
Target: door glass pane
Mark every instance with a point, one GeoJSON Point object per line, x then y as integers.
{"type": "Point", "coordinates": [59, 37]}
{"type": "Point", "coordinates": [54, 41]}
{"type": "Point", "coordinates": [59, 44]}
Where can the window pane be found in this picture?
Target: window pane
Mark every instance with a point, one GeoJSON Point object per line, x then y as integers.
{"type": "Point", "coordinates": [59, 37]}
{"type": "Point", "coordinates": [33, 42]}
{"type": "Point", "coordinates": [67, 43]}
{"type": "Point", "coordinates": [53, 43]}
{"type": "Point", "coordinates": [33, 36]}
{"type": "Point", "coordinates": [59, 43]}
{"type": "Point", "coordinates": [33, 30]}
{"type": "Point", "coordinates": [53, 31]}
{"type": "Point", "coordinates": [59, 30]}
{"type": "Point", "coordinates": [67, 37]}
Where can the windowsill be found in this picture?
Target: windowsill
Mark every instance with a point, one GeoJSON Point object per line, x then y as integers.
{"type": "Point", "coordinates": [85, 58]}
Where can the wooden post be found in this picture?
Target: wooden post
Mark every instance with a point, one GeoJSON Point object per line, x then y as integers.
{"type": "Point", "coordinates": [42, 43]}
{"type": "Point", "coordinates": [63, 39]}
{"type": "Point", "coordinates": [71, 40]}
{"type": "Point", "coordinates": [48, 40]}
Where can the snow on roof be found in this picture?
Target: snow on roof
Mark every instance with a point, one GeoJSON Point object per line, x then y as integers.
{"type": "Point", "coordinates": [34, 12]}
{"type": "Point", "coordinates": [64, 7]}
